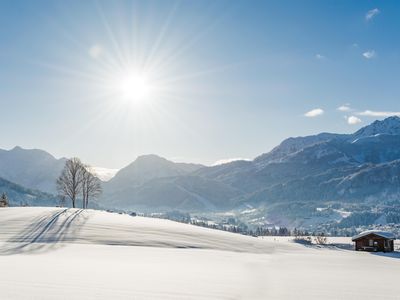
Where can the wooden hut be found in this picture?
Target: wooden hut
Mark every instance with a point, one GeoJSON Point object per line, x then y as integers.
{"type": "Point", "coordinates": [374, 240]}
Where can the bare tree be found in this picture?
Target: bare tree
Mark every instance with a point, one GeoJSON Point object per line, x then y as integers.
{"type": "Point", "coordinates": [69, 183]}
{"type": "Point", "coordinates": [91, 186]}
{"type": "Point", "coordinates": [320, 239]}
{"type": "Point", "coordinates": [4, 200]}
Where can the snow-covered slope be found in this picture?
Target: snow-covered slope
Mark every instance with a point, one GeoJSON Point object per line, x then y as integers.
{"type": "Point", "coordinates": [19, 195]}
{"type": "Point", "coordinates": [50, 253]}
{"type": "Point", "coordinates": [48, 226]}
{"type": "Point", "coordinates": [293, 145]}
{"type": "Point", "coordinates": [389, 125]}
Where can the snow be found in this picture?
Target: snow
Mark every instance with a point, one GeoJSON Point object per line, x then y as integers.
{"type": "Point", "coordinates": [229, 160]}
{"type": "Point", "coordinates": [384, 234]}
{"type": "Point", "coordinates": [249, 211]}
{"type": "Point", "coordinates": [343, 213]}
{"type": "Point", "coordinates": [60, 225]}
{"type": "Point", "coordinates": [104, 174]}
{"type": "Point", "coordinates": [53, 253]}
{"type": "Point", "coordinates": [389, 125]}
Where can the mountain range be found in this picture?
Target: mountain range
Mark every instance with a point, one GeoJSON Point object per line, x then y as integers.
{"type": "Point", "coordinates": [346, 168]}
{"type": "Point", "coordinates": [358, 167]}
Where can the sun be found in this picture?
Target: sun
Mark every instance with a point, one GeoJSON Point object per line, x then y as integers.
{"type": "Point", "coordinates": [135, 88]}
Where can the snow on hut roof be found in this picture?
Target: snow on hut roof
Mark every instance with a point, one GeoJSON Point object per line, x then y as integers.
{"type": "Point", "coordinates": [384, 234]}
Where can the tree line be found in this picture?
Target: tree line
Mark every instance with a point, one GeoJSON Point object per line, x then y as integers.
{"type": "Point", "coordinates": [78, 181]}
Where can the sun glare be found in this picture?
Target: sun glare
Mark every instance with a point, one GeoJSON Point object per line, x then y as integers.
{"type": "Point", "coordinates": [135, 88]}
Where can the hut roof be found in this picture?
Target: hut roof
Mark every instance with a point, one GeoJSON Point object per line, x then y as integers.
{"type": "Point", "coordinates": [384, 234]}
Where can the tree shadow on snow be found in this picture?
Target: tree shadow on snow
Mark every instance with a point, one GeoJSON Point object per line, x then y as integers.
{"type": "Point", "coordinates": [346, 247]}
{"type": "Point", "coordinates": [329, 246]}
{"type": "Point", "coordinates": [394, 254]}
{"type": "Point", "coordinates": [46, 232]}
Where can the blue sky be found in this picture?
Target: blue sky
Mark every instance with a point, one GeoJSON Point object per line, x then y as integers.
{"type": "Point", "coordinates": [223, 79]}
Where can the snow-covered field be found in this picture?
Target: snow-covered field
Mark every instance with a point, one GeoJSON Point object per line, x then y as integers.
{"type": "Point", "coordinates": [54, 253]}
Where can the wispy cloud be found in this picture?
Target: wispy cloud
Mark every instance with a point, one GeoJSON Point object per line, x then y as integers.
{"type": "Point", "coordinates": [353, 120]}
{"type": "Point", "coordinates": [228, 160]}
{"type": "Point", "coordinates": [371, 14]}
{"type": "Point", "coordinates": [345, 107]}
{"type": "Point", "coordinates": [314, 113]}
{"type": "Point", "coordinates": [95, 51]}
{"type": "Point", "coordinates": [369, 54]}
{"type": "Point", "coordinates": [371, 113]}
{"type": "Point", "coordinates": [319, 56]}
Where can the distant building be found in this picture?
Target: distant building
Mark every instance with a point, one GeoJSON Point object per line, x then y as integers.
{"type": "Point", "coordinates": [374, 240]}
{"type": "Point", "coordinates": [3, 200]}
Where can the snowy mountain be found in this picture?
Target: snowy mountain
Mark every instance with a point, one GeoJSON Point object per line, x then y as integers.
{"type": "Point", "coordinates": [31, 168]}
{"type": "Point", "coordinates": [293, 145]}
{"type": "Point", "coordinates": [148, 167]}
{"type": "Point", "coordinates": [152, 182]}
{"type": "Point", "coordinates": [356, 168]}
{"type": "Point", "coordinates": [324, 167]}
{"type": "Point", "coordinates": [389, 125]}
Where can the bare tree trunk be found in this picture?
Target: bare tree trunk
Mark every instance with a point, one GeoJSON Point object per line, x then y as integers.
{"type": "Point", "coordinates": [83, 192]}
{"type": "Point", "coordinates": [91, 186]}
{"type": "Point", "coordinates": [69, 183]}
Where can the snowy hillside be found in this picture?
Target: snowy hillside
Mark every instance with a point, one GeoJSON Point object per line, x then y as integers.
{"type": "Point", "coordinates": [390, 125]}
{"type": "Point", "coordinates": [19, 195]}
{"type": "Point", "coordinates": [292, 145]}
{"type": "Point", "coordinates": [53, 253]}
{"type": "Point", "coordinates": [65, 225]}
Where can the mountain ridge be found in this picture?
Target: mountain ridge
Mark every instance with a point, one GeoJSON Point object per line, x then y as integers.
{"type": "Point", "coordinates": [32, 168]}
{"type": "Point", "coordinates": [321, 167]}
{"type": "Point", "coordinates": [302, 162]}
